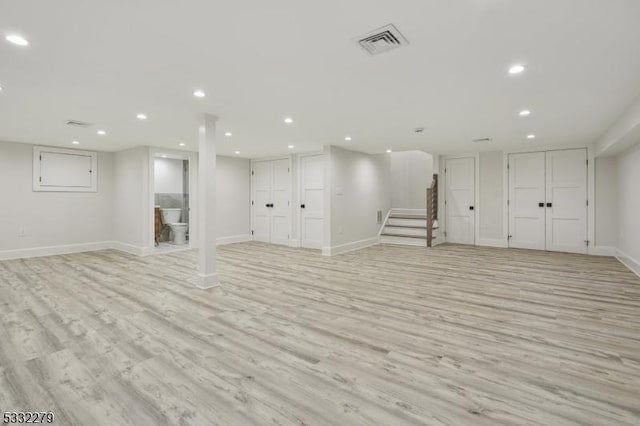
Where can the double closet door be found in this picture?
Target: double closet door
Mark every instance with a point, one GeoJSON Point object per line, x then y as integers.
{"type": "Point", "coordinates": [548, 200]}
{"type": "Point", "coordinates": [271, 201]}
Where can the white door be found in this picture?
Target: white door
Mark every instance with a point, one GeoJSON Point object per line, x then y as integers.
{"type": "Point", "coordinates": [280, 202]}
{"type": "Point", "coordinates": [566, 181]}
{"type": "Point", "coordinates": [312, 201]}
{"type": "Point", "coordinates": [271, 213]}
{"type": "Point", "coordinates": [261, 175]}
{"type": "Point", "coordinates": [460, 200]}
{"type": "Point", "coordinates": [527, 200]}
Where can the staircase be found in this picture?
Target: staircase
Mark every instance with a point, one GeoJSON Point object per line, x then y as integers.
{"type": "Point", "coordinates": [413, 227]}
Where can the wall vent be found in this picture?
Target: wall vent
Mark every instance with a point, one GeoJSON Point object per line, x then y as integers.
{"type": "Point", "coordinates": [76, 123]}
{"type": "Point", "coordinates": [382, 40]}
{"type": "Point", "coordinates": [482, 140]}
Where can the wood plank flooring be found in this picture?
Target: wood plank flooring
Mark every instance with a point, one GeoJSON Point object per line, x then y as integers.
{"type": "Point", "coordinates": [387, 335]}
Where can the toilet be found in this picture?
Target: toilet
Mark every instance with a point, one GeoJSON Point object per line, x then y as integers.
{"type": "Point", "coordinates": [171, 217]}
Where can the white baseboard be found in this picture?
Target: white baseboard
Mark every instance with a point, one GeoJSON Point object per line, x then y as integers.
{"type": "Point", "coordinates": [54, 250]}
{"type": "Point", "coordinates": [492, 242]}
{"type": "Point", "coordinates": [243, 238]}
{"type": "Point", "coordinates": [603, 251]}
{"type": "Point", "coordinates": [131, 249]}
{"type": "Point", "coordinates": [208, 281]}
{"type": "Point", "coordinates": [344, 248]}
{"type": "Point", "coordinates": [629, 262]}
{"type": "Point", "coordinates": [295, 243]}
{"type": "Point", "coordinates": [103, 245]}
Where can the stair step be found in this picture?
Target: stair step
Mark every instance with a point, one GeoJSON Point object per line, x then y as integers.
{"type": "Point", "coordinates": [421, 237]}
{"type": "Point", "coordinates": [403, 241]}
{"type": "Point", "coordinates": [408, 216]}
{"type": "Point", "coordinates": [406, 226]}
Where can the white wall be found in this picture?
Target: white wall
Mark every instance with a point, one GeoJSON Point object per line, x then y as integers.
{"type": "Point", "coordinates": [606, 204]}
{"type": "Point", "coordinates": [167, 174]}
{"type": "Point", "coordinates": [131, 202]}
{"type": "Point", "coordinates": [411, 175]}
{"type": "Point", "coordinates": [358, 186]}
{"type": "Point", "coordinates": [233, 203]}
{"type": "Point", "coordinates": [491, 197]}
{"type": "Point", "coordinates": [629, 205]}
{"type": "Point", "coordinates": [49, 218]}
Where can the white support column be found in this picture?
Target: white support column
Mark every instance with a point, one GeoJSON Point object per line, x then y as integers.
{"type": "Point", "coordinates": [207, 275]}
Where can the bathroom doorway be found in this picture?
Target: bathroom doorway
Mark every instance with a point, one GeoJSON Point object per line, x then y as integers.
{"type": "Point", "coordinates": [172, 187]}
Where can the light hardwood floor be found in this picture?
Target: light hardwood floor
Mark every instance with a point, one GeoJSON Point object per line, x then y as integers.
{"type": "Point", "coordinates": [386, 335]}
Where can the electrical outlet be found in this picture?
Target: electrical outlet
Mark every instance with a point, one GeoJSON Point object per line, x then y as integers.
{"type": "Point", "coordinates": [21, 232]}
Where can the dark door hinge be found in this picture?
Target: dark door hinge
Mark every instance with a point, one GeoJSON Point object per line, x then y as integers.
{"type": "Point", "coordinates": [251, 232]}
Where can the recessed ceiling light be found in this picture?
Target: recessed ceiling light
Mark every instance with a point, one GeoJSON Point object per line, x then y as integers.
{"type": "Point", "coordinates": [236, 152]}
{"type": "Point", "coordinates": [181, 144]}
{"type": "Point", "coordinates": [516, 69]}
{"type": "Point", "coordinates": [389, 151]}
{"type": "Point", "coordinates": [16, 39]}
{"type": "Point", "coordinates": [531, 136]}
{"type": "Point", "coordinates": [164, 156]}
{"type": "Point", "coordinates": [525, 112]}
{"type": "Point", "coordinates": [0, 88]}
{"type": "Point", "coordinates": [288, 120]}
{"type": "Point", "coordinates": [101, 132]}
{"type": "Point", "coordinates": [75, 142]}
{"type": "Point", "coordinates": [291, 147]}
{"type": "Point", "coordinates": [228, 134]}
{"type": "Point", "coordinates": [141, 117]}
{"type": "Point", "coordinates": [348, 138]}
{"type": "Point", "coordinates": [199, 94]}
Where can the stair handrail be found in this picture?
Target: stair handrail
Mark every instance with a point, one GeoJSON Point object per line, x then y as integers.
{"type": "Point", "coordinates": [432, 208]}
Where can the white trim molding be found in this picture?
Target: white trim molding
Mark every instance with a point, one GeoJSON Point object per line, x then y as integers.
{"type": "Point", "coordinates": [54, 250]}
{"type": "Point", "coordinates": [629, 262]}
{"type": "Point", "coordinates": [492, 242]}
{"type": "Point", "coordinates": [131, 249]}
{"type": "Point", "coordinates": [355, 245]}
{"type": "Point", "coordinates": [603, 251]}
{"type": "Point", "coordinates": [295, 243]}
{"type": "Point", "coordinates": [208, 281]}
{"type": "Point", "coordinates": [243, 238]}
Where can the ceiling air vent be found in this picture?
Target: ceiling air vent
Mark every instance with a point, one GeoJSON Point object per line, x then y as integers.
{"type": "Point", "coordinates": [76, 123]}
{"type": "Point", "coordinates": [482, 140]}
{"type": "Point", "coordinates": [382, 40]}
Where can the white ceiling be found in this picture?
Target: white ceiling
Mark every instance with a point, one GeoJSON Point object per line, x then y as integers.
{"type": "Point", "coordinates": [259, 61]}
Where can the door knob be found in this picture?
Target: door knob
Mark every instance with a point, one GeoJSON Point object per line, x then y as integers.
{"type": "Point", "coordinates": [540, 204]}
{"type": "Point", "coordinates": [549, 204]}
{"type": "Point", "coordinates": [271, 205]}
{"type": "Point", "coordinates": [471, 207]}
{"type": "Point", "coordinates": [302, 206]}
{"type": "Point", "coordinates": [267, 205]}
